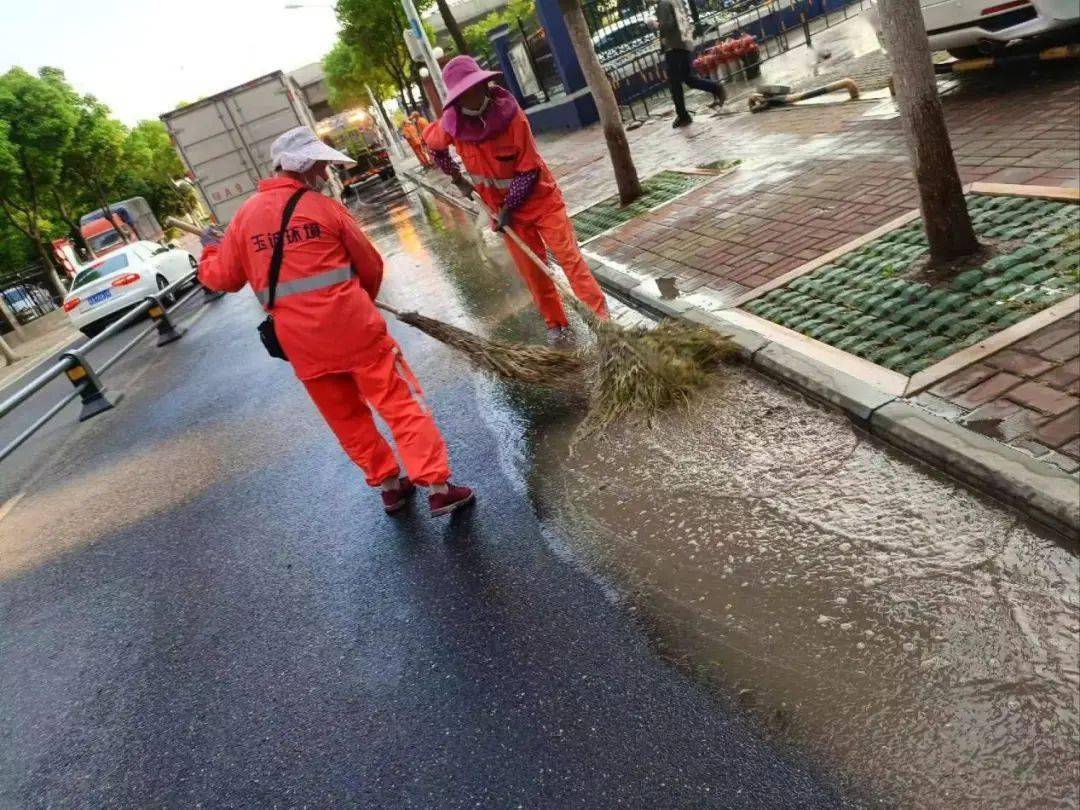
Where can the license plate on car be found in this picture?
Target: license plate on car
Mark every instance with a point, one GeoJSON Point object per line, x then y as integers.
{"type": "Point", "coordinates": [98, 297]}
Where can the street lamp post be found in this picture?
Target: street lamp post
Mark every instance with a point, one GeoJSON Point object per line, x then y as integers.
{"type": "Point", "coordinates": [425, 47]}
{"type": "Point", "coordinates": [384, 124]}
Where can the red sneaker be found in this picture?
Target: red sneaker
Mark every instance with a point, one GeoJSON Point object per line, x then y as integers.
{"type": "Point", "coordinates": [443, 503]}
{"type": "Point", "coordinates": [395, 499]}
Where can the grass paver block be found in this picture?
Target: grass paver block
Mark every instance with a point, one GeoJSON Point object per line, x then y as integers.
{"type": "Point", "coordinates": [858, 304]}
{"type": "Point", "coordinates": [656, 190]}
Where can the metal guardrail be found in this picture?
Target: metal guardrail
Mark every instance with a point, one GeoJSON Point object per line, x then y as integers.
{"type": "Point", "coordinates": [86, 378]}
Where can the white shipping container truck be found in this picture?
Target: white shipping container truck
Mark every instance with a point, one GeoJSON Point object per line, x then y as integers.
{"type": "Point", "coordinates": [224, 140]}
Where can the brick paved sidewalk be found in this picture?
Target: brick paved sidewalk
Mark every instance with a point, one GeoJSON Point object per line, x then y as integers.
{"type": "Point", "coordinates": [813, 177]}
{"type": "Point", "coordinates": [1027, 396]}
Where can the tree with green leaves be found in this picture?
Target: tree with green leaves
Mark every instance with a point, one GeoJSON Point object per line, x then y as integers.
{"type": "Point", "coordinates": [349, 72]}
{"type": "Point", "coordinates": [37, 123]}
{"type": "Point", "coordinates": [151, 162]}
{"type": "Point", "coordinates": [375, 30]}
{"type": "Point", "coordinates": [92, 159]}
{"type": "Point", "coordinates": [476, 35]}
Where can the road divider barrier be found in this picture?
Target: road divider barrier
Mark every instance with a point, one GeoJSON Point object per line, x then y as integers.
{"type": "Point", "coordinates": [85, 377]}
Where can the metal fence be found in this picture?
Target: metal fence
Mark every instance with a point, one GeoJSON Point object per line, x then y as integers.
{"type": "Point", "coordinates": [629, 49]}
{"type": "Point", "coordinates": [27, 294]}
{"type": "Point", "coordinates": [85, 377]}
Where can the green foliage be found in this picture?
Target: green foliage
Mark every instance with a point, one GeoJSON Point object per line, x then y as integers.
{"type": "Point", "coordinates": [349, 70]}
{"type": "Point", "coordinates": [371, 48]}
{"type": "Point", "coordinates": [149, 167]}
{"type": "Point", "coordinates": [476, 35]}
{"type": "Point", "coordinates": [15, 249]}
{"type": "Point", "coordinates": [62, 154]}
{"type": "Point", "coordinates": [39, 122]}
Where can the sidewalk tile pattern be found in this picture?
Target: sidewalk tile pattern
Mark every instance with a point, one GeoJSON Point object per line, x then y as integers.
{"type": "Point", "coordinates": [1027, 395]}
{"type": "Point", "coordinates": [861, 303]}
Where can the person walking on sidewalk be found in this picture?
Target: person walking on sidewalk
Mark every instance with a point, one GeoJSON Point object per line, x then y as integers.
{"type": "Point", "coordinates": [492, 137]}
{"type": "Point", "coordinates": [677, 42]}
{"type": "Point", "coordinates": [412, 129]}
{"type": "Point", "coordinates": [326, 322]}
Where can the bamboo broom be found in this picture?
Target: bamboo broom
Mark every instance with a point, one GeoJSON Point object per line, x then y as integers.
{"type": "Point", "coordinates": [638, 370]}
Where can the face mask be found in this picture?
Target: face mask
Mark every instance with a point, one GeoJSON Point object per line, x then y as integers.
{"type": "Point", "coordinates": [316, 181]}
{"type": "Point", "coordinates": [481, 111]}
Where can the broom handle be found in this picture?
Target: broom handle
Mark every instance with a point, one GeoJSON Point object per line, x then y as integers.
{"type": "Point", "coordinates": [567, 294]}
{"type": "Point", "coordinates": [173, 222]}
{"type": "Point", "coordinates": [517, 240]}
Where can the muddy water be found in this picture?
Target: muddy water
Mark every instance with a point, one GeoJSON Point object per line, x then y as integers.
{"type": "Point", "coordinates": [921, 640]}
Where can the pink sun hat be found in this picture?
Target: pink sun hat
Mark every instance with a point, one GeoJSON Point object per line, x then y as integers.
{"type": "Point", "coordinates": [462, 73]}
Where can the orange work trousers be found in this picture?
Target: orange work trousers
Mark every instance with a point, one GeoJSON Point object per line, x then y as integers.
{"type": "Point", "coordinates": [553, 230]}
{"type": "Point", "coordinates": [388, 386]}
{"type": "Point", "coordinates": [422, 155]}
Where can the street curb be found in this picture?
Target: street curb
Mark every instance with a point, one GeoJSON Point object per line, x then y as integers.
{"type": "Point", "coordinates": [1048, 495]}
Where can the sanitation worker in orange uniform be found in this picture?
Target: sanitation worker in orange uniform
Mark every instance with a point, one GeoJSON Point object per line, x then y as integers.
{"type": "Point", "coordinates": [326, 322]}
{"type": "Point", "coordinates": [412, 130]}
{"type": "Point", "coordinates": [491, 135]}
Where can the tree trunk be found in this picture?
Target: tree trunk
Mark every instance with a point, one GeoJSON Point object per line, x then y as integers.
{"type": "Point", "coordinates": [50, 268]}
{"type": "Point", "coordinates": [11, 319]}
{"type": "Point", "coordinates": [941, 198]}
{"type": "Point", "coordinates": [626, 177]}
{"type": "Point", "coordinates": [452, 26]}
{"type": "Point", "coordinates": [7, 352]}
{"type": "Point", "coordinates": [81, 247]}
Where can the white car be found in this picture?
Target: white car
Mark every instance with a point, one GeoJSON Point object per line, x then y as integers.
{"type": "Point", "coordinates": [971, 28]}
{"type": "Point", "coordinates": [105, 289]}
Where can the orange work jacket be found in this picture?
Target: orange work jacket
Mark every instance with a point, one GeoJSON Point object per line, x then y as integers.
{"type": "Point", "coordinates": [324, 313]}
{"type": "Point", "coordinates": [492, 164]}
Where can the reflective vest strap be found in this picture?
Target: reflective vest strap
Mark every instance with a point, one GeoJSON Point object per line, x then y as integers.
{"type": "Point", "coordinates": [307, 284]}
{"type": "Point", "coordinates": [493, 182]}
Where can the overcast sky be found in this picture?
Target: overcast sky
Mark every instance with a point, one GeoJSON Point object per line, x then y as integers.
{"type": "Point", "coordinates": [142, 57]}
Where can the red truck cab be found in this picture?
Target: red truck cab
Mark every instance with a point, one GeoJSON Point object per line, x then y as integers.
{"type": "Point", "coordinates": [106, 235]}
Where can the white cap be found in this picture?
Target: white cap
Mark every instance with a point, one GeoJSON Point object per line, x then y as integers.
{"type": "Point", "coordinates": [298, 149]}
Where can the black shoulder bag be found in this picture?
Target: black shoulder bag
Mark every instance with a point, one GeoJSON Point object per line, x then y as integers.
{"type": "Point", "coordinates": [267, 334]}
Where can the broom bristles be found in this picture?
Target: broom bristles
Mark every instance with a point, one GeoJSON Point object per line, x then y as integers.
{"type": "Point", "coordinates": [561, 369]}
{"type": "Point", "coordinates": [643, 371]}
{"type": "Point", "coordinates": [630, 371]}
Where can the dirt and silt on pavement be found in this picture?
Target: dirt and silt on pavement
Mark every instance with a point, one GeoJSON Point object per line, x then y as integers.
{"type": "Point", "coordinates": [916, 638]}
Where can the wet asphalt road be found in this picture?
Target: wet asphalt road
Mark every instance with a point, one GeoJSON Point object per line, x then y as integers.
{"type": "Point", "coordinates": [200, 603]}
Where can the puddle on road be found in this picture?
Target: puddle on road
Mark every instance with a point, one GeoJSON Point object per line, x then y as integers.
{"type": "Point", "coordinates": [921, 640]}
